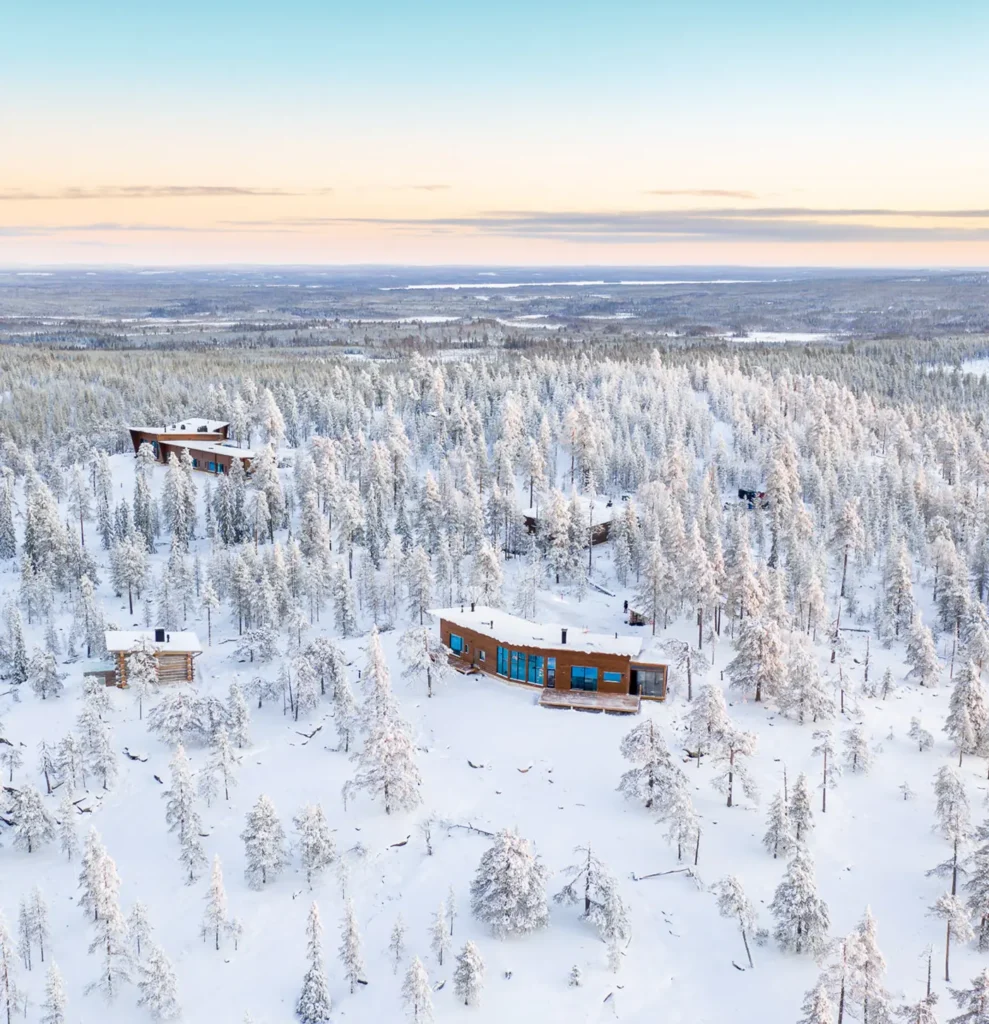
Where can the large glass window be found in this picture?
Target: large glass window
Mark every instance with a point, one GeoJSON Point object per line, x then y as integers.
{"type": "Point", "coordinates": [535, 669]}
{"type": "Point", "coordinates": [502, 661]}
{"type": "Point", "coordinates": [518, 665]}
{"type": "Point", "coordinates": [456, 643]}
{"type": "Point", "coordinates": [551, 672]}
{"type": "Point", "coordinates": [583, 677]}
{"type": "Point", "coordinates": [612, 677]}
{"type": "Point", "coordinates": [652, 682]}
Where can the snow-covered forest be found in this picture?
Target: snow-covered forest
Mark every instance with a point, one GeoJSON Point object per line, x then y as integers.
{"type": "Point", "coordinates": [330, 823]}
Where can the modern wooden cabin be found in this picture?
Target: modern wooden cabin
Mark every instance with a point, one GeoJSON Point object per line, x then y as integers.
{"type": "Point", "coordinates": [207, 442]}
{"type": "Point", "coordinates": [554, 658]}
{"type": "Point", "coordinates": [175, 652]}
{"type": "Point", "coordinates": [598, 516]}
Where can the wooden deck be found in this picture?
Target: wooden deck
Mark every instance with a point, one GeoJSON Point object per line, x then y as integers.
{"type": "Point", "coordinates": [583, 700]}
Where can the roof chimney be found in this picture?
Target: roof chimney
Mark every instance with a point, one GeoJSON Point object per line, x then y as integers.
{"type": "Point", "coordinates": [159, 636]}
{"type": "Point", "coordinates": [563, 636]}
{"type": "Point", "coordinates": [472, 606]}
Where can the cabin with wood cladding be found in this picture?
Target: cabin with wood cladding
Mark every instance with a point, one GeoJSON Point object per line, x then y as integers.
{"type": "Point", "coordinates": [174, 651]}
{"type": "Point", "coordinates": [207, 442]}
{"type": "Point", "coordinates": [601, 671]}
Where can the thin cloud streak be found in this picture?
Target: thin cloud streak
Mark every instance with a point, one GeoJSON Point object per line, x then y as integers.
{"type": "Point", "coordinates": [156, 192]}
{"type": "Point", "coordinates": [703, 193]}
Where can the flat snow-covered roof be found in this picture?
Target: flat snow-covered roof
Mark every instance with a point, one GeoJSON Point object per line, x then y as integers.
{"type": "Point", "coordinates": [188, 426]}
{"type": "Point", "coordinates": [124, 640]}
{"type": "Point", "coordinates": [510, 629]}
{"type": "Point", "coordinates": [213, 447]}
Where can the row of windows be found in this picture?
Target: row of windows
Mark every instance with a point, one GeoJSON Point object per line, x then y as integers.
{"type": "Point", "coordinates": [540, 671]}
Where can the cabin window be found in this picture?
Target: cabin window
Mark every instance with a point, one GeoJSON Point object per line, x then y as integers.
{"type": "Point", "coordinates": [482, 655]}
{"type": "Point", "coordinates": [503, 661]}
{"type": "Point", "coordinates": [212, 467]}
{"type": "Point", "coordinates": [195, 463]}
{"type": "Point", "coordinates": [535, 669]}
{"type": "Point", "coordinates": [219, 467]}
{"type": "Point", "coordinates": [551, 672]}
{"type": "Point", "coordinates": [652, 682]}
{"type": "Point", "coordinates": [583, 677]}
{"type": "Point", "coordinates": [612, 677]}
{"type": "Point", "coordinates": [456, 643]}
{"type": "Point", "coordinates": [518, 665]}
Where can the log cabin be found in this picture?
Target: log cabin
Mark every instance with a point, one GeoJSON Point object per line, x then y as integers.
{"type": "Point", "coordinates": [175, 652]}
{"type": "Point", "coordinates": [597, 517]}
{"type": "Point", "coordinates": [572, 666]}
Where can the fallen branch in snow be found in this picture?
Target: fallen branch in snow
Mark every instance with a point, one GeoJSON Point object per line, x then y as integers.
{"type": "Point", "coordinates": [689, 872]}
{"type": "Point", "coordinates": [134, 757]}
{"type": "Point", "coordinates": [158, 780]}
{"type": "Point", "coordinates": [309, 735]}
{"type": "Point", "coordinates": [737, 968]}
{"type": "Point", "coordinates": [523, 770]}
{"type": "Point", "coordinates": [404, 842]}
{"type": "Point", "coordinates": [471, 828]}
{"type": "Point", "coordinates": [471, 763]}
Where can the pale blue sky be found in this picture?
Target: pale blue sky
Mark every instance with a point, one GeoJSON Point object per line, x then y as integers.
{"type": "Point", "coordinates": [569, 108]}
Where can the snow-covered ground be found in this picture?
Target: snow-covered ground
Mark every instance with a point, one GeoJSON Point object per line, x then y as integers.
{"type": "Point", "coordinates": [491, 758]}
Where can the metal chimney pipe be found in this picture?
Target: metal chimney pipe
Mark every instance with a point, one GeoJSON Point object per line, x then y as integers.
{"type": "Point", "coordinates": [563, 636]}
{"type": "Point", "coordinates": [472, 606]}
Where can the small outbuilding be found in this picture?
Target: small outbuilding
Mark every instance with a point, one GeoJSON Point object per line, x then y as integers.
{"type": "Point", "coordinates": [175, 652]}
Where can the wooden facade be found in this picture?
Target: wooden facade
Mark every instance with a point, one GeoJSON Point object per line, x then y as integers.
{"type": "Point", "coordinates": [173, 667]}
{"type": "Point", "coordinates": [556, 665]}
{"type": "Point", "coordinates": [206, 441]}
{"type": "Point", "coordinates": [174, 652]}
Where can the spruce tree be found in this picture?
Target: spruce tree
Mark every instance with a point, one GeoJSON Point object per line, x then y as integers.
{"type": "Point", "coordinates": [509, 888]}
{"type": "Point", "coordinates": [313, 1006]}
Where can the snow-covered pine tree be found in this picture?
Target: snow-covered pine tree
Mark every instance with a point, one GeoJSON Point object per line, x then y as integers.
{"type": "Point", "coordinates": [758, 666]}
{"type": "Point", "coordinates": [707, 720]}
{"type": "Point", "coordinates": [157, 985]}
{"type": "Point", "coordinates": [314, 1004]}
{"type": "Point", "coordinates": [264, 842]}
{"type": "Point", "coordinates": [423, 656]}
{"type": "Point", "coordinates": [957, 924]}
{"type": "Point", "coordinates": [142, 672]}
{"type": "Point", "coordinates": [806, 694]}
{"type": "Point", "coordinates": [509, 888]}
{"type": "Point", "coordinates": [317, 850]}
{"type": "Point", "coordinates": [439, 940]}
{"type": "Point", "coordinates": [921, 654]}
{"type": "Point", "coordinates": [44, 676]}
{"type": "Point", "coordinates": [866, 969]}
{"type": "Point", "coordinates": [68, 839]}
{"type": "Point", "coordinates": [35, 826]}
{"type": "Point", "coordinates": [858, 756]}
{"type": "Point", "coordinates": [306, 687]}
{"type": "Point", "coordinates": [802, 919]}
{"type": "Point", "coordinates": [592, 884]}
{"type": "Point", "coordinates": [416, 993]}
{"type": "Point", "coordinates": [351, 955]}
{"type": "Point", "coordinates": [920, 735]}
{"type": "Point", "coordinates": [215, 916]}
{"type": "Point", "coordinates": [817, 1007]}
{"type": "Point", "coordinates": [734, 905]}
{"type": "Point", "coordinates": [55, 1004]}
{"type": "Point", "coordinates": [468, 975]}
{"type": "Point", "coordinates": [10, 993]}
{"type": "Point", "coordinates": [175, 718]}
{"type": "Point", "coordinates": [968, 712]}
{"type": "Point", "coordinates": [396, 944]}
{"type": "Point", "coordinates": [921, 1012]}
{"type": "Point", "coordinates": [830, 769]}
{"type": "Point", "coordinates": [973, 1001]}
{"type": "Point", "coordinates": [656, 774]}
{"type": "Point", "coordinates": [731, 769]}
{"type": "Point", "coordinates": [222, 764]}
{"type": "Point", "coordinates": [138, 925]}
{"type": "Point", "coordinates": [110, 941]}
{"type": "Point", "coordinates": [182, 817]}
{"type": "Point", "coordinates": [779, 837]}
{"type": "Point", "coordinates": [238, 717]}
